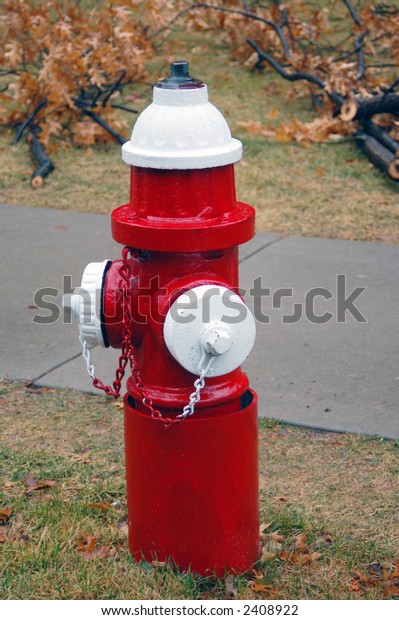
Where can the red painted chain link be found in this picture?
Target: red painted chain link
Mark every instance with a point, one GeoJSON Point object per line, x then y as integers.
{"type": "Point", "coordinates": [128, 352]}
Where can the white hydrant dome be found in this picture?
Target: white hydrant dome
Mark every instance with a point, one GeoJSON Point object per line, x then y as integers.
{"type": "Point", "coordinates": [181, 129]}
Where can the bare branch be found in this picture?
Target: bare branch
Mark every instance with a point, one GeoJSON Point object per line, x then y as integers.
{"type": "Point", "coordinates": [113, 88]}
{"type": "Point", "coordinates": [45, 164]}
{"type": "Point", "coordinates": [358, 40]}
{"type": "Point", "coordinates": [28, 121]}
{"type": "Point", "coordinates": [380, 156]}
{"type": "Point", "coordinates": [254, 16]}
{"type": "Point", "coordinates": [379, 134]}
{"type": "Point", "coordinates": [97, 119]}
{"type": "Point", "coordinates": [352, 12]}
{"type": "Point", "coordinates": [336, 98]}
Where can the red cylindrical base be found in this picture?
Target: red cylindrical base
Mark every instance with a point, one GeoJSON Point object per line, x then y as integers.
{"type": "Point", "coordinates": [192, 489]}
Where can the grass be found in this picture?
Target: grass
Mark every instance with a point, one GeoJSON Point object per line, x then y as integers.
{"type": "Point", "coordinates": [326, 190]}
{"type": "Point", "coordinates": [341, 491]}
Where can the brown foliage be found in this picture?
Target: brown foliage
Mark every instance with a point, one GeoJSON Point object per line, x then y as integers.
{"type": "Point", "coordinates": [340, 54]}
{"type": "Point", "coordinates": [54, 54]}
{"type": "Point", "coordinates": [385, 577]}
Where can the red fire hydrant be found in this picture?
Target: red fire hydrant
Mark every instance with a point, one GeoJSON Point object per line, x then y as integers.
{"type": "Point", "coordinates": [171, 304]}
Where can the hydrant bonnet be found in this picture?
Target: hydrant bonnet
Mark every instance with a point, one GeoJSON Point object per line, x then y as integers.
{"type": "Point", "coordinates": [181, 129]}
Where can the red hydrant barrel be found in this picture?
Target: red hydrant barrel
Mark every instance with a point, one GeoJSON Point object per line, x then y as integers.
{"type": "Point", "coordinates": [192, 489]}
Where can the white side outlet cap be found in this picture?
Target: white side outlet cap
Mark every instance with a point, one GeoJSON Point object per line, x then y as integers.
{"type": "Point", "coordinates": [85, 303]}
{"type": "Point", "coordinates": [213, 318]}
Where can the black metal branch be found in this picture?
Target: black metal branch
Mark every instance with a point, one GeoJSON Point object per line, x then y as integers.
{"type": "Point", "coordinates": [336, 98]}
{"type": "Point", "coordinates": [97, 119]}
{"type": "Point", "coordinates": [28, 120]}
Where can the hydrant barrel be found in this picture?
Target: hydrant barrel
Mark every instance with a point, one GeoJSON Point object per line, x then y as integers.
{"type": "Point", "coordinates": [192, 489]}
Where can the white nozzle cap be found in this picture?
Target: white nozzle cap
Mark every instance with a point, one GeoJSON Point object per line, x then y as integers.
{"type": "Point", "coordinates": [85, 303]}
{"type": "Point", "coordinates": [181, 130]}
{"type": "Point", "coordinates": [213, 318]}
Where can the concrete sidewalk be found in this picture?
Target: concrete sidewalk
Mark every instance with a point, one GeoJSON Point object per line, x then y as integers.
{"type": "Point", "coordinates": [332, 376]}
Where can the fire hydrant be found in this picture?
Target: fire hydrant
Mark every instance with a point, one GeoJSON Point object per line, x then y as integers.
{"type": "Point", "coordinates": [172, 306]}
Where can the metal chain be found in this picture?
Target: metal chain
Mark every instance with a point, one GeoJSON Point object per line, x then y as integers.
{"type": "Point", "coordinates": [199, 384]}
{"type": "Point", "coordinates": [128, 356]}
{"type": "Point", "coordinates": [86, 357]}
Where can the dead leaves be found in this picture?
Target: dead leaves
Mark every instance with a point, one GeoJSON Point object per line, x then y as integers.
{"type": "Point", "coordinates": [88, 547]}
{"type": "Point", "coordinates": [61, 59]}
{"type": "Point", "coordinates": [278, 549]}
{"type": "Point", "coordinates": [37, 485]}
{"type": "Point", "coordinates": [5, 515]}
{"type": "Point", "coordinates": [12, 531]}
{"type": "Point", "coordinates": [385, 577]}
{"type": "Point", "coordinates": [294, 551]}
{"type": "Point", "coordinates": [100, 506]}
{"type": "Point", "coordinates": [320, 129]}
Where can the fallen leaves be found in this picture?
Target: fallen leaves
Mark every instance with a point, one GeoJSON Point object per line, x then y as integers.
{"type": "Point", "coordinates": [87, 546]}
{"type": "Point", "coordinates": [261, 585]}
{"type": "Point", "coordinates": [295, 551]}
{"type": "Point", "coordinates": [12, 531]}
{"type": "Point", "coordinates": [38, 485]}
{"type": "Point", "coordinates": [319, 130]}
{"type": "Point", "coordinates": [298, 552]}
{"type": "Point", "coordinates": [385, 577]}
{"type": "Point", "coordinates": [294, 557]}
{"type": "Point", "coordinates": [100, 506]}
{"type": "Point", "coordinates": [5, 515]}
{"type": "Point", "coordinates": [82, 456]}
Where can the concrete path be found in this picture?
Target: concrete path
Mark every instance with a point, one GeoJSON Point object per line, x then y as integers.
{"type": "Point", "coordinates": [339, 375]}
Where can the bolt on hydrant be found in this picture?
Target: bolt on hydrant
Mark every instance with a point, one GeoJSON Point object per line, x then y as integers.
{"type": "Point", "coordinates": [171, 304]}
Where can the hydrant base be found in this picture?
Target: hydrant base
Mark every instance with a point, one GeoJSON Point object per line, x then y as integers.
{"type": "Point", "coordinates": [192, 489]}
